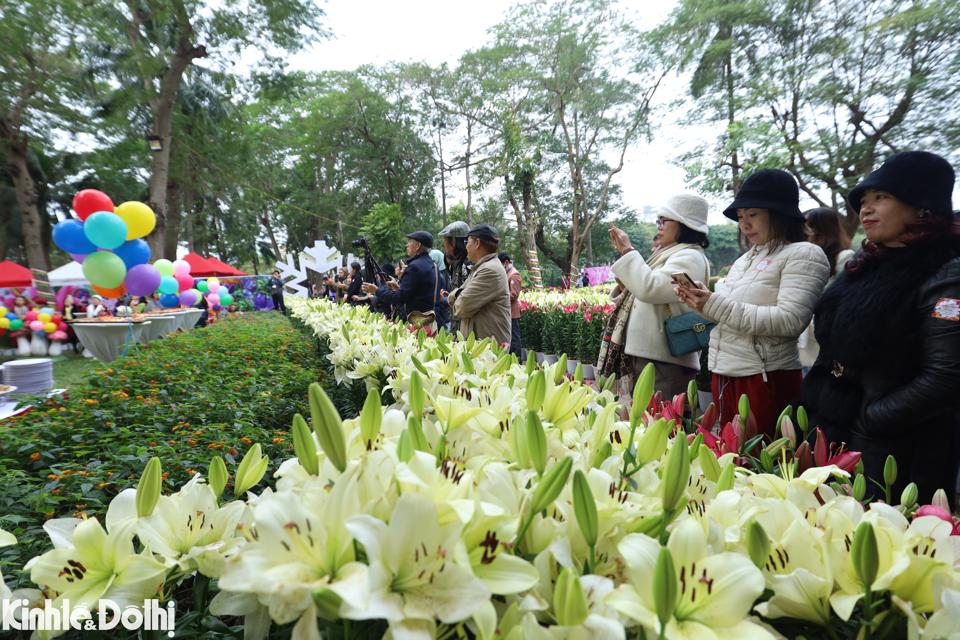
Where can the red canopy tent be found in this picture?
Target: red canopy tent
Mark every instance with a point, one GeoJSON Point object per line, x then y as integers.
{"type": "Point", "coordinates": [199, 267]}
{"type": "Point", "coordinates": [13, 275]}
{"type": "Point", "coordinates": [223, 268]}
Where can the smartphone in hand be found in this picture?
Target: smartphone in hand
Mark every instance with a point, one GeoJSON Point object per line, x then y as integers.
{"type": "Point", "coordinates": [681, 279]}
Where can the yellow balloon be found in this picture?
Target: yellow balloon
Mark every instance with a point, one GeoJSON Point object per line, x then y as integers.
{"type": "Point", "coordinates": [4, 323]}
{"type": "Point", "coordinates": [49, 327]}
{"type": "Point", "coordinates": [139, 217]}
{"type": "Point", "coordinates": [43, 317]}
{"type": "Point", "coordinates": [3, 310]}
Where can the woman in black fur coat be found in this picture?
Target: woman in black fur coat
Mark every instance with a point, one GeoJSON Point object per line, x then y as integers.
{"type": "Point", "coordinates": [887, 380]}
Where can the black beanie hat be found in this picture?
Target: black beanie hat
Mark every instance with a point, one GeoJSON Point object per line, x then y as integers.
{"type": "Point", "coordinates": [918, 178]}
{"type": "Point", "coordinates": [771, 189]}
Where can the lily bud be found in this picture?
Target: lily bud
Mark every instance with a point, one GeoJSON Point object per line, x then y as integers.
{"type": "Point", "coordinates": [859, 487]}
{"type": "Point", "coordinates": [560, 369]}
{"type": "Point", "coordinates": [908, 498]}
{"type": "Point", "coordinates": [710, 416]}
{"type": "Point", "coordinates": [328, 426]}
{"type": "Point", "coordinates": [802, 421]}
{"type": "Point", "coordinates": [148, 489]}
{"type": "Point", "coordinates": [405, 447]}
{"type": "Point", "coordinates": [536, 390]}
{"type": "Point", "coordinates": [693, 397]}
{"type": "Point", "coordinates": [653, 442]}
{"type": "Point", "coordinates": [758, 544]}
{"type": "Point", "coordinates": [709, 464]}
{"type": "Point", "coordinates": [250, 470]}
{"type": "Point", "coordinates": [531, 363]}
{"type": "Point", "coordinates": [471, 340]}
{"type": "Point", "coordinates": [803, 456]}
{"type": "Point", "coordinates": [890, 471]}
{"type": "Point", "coordinates": [467, 362]}
{"type": "Point", "coordinates": [665, 591]}
{"type": "Point", "coordinates": [864, 554]}
{"type": "Point", "coordinates": [642, 392]}
{"type": "Point", "coordinates": [695, 445]}
{"type": "Point", "coordinates": [550, 485]}
{"type": "Point", "coordinates": [789, 431]}
{"type": "Point", "coordinates": [725, 482]}
{"type": "Point", "coordinates": [766, 461]}
{"type": "Point", "coordinates": [675, 475]}
{"type": "Point", "coordinates": [417, 437]}
{"type": "Point", "coordinates": [585, 508]}
{"type": "Point", "coordinates": [218, 475]}
{"type": "Point", "coordinates": [371, 417]}
{"type": "Point", "coordinates": [776, 446]}
{"type": "Point", "coordinates": [536, 441]}
{"type": "Point", "coordinates": [609, 383]}
{"type": "Point", "coordinates": [578, 372]}
{"type": "Point", "coordinates": [569, 600]}
{"type": "Point", "coordinates": [743, 408]}
{"type": "Point", "coordinates": [304, 447]}
{"type": "Point", "coordinates": [419, 365]}
{"type": "Point", "coordinates": [940, 500]}
{"type": "Point", "coordinates": [604, 452]}
{"type": "Point", "coordinates": [416, 394]}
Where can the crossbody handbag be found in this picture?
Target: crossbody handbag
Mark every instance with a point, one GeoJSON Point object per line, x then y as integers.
{"type": "Point", "coordinates": [687, 332]}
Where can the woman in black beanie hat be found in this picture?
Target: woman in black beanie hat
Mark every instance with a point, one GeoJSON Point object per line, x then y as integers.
{"type": "Point", "coordinates": [887, 378]}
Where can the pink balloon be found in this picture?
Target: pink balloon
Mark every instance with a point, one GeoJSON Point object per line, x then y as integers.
{"type": "Point", "coordinates": [181, 266]}
{"type": "Point", "coordinates": [213, 299]}
{"type": "Point", "coordinates": [58, 335]}
{"type": "Point", "coordinates": [36, 325]}
{"type": "Point", "coordinates": [31, 316]}
{"type": "Point", "coordinates": [213, 287]}
{"type": "Point", "coordinates": [62, 326]}
{"type": "Point", "coordinates": [184, 281]}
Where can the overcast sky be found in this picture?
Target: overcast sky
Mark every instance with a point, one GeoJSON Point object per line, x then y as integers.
{"type": "Point", "coordinates": [435, 31]}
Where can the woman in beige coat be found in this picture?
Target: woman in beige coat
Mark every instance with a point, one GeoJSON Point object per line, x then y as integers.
{"type": "Point", "coordinates": [765, 303]}
{"type": "Point", "coordinates": [649, 297]}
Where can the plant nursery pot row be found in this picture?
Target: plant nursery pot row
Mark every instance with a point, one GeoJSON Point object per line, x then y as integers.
{"type": "Point", "coordinates": [589, 371]}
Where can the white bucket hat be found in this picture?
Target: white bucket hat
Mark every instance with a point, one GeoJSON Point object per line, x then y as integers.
{"type": "Point", "coordinates": [688, 209]}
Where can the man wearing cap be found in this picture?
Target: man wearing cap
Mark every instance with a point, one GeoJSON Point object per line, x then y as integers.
{"type": "Point", "coordinates": [514, 283]}
{"type": "Point", "coordinates": [483, 302]}
{"type": "Point", "coordinates": [455, 252]}
{"type": "Point", "coordinates": [418, 289]}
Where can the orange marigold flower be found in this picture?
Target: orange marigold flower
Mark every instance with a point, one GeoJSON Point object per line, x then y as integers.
{"type": "Point", "coordinates": [153, 443]}
{"type": "Point", "coordinates": [233, 451]}
{"type": "Point", "coordinates": [34, 456]}
{"type": "Point", "coordinates": [277, 440]}
{"type": "Point", "coordinates": [53, 476]}
{"type": "Point", "coordinates": [190, 472]}
{"type": "Point", "coordinates": [245, 440]}
{"type": "Point", "coordinates": [191, 442]}
{"type": "Point", "coordinates": [57, 491]}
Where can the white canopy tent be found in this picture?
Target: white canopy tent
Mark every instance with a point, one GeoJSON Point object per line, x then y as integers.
{"type": "Point", "coordinates": [69, 274]}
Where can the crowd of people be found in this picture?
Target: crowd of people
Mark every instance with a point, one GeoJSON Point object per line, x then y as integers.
{"type": "Point", "coordinates": [867, 341]}
{"type": "Point", "coordinates": [877, 331]}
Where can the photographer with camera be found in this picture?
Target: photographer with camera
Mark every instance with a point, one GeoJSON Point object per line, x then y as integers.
{"type": "Point", "coordinates": [418, 288]}
{"type": "Point", "coordinates": [483, 302]}
{"type": "Point", "coordinates": [354, 294]}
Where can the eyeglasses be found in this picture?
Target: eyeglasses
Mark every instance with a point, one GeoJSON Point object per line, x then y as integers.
{"type": "Point", "coordinates": [663, 221]}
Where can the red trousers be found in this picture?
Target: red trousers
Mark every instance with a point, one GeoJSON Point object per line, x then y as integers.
{"type": "Point", "coordinates": [767, 399]}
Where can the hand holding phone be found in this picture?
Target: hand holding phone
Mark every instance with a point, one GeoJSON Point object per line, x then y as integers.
{"type": "Point", "coordinates": [681, 279]}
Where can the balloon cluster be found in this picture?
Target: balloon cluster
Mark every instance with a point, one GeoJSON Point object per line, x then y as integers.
{"type": "Point", "coordinates": [217, 295]}
{"type": "Point", "coordinates": [43, 321]}
{"type": "Point", "coordinates": [108, 242]}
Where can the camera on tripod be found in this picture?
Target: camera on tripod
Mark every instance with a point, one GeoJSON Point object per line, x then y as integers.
{"type": "Point", "coordinates": [361, 241]}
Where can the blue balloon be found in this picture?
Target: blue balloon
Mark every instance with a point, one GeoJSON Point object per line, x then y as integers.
{"type": "Point", "coordinates": [11, 316]}
{"type": "Point", "coordinates": [69, 236]}
{"type": "Point", "coordinates": [105, 229]}
{"type": "Point", "coordinates": [169, 285]}
{"type": "Point", "coordinates": [133, 252]}
{"type": "Point", "coordinates": [170, 300]}
{"type": "Point", "coordinates": [47, 310]}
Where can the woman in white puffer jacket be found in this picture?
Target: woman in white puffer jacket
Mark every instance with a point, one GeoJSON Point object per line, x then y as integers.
{"type": "Point", "coordinates": [766, 301]}
{"type": "Point", "coordinates": [650, 298]}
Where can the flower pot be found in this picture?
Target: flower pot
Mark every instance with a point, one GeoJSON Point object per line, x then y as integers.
{"type": "Point", "coordinates": [589, 372]}
{"type": "Point", "coordinates": [572, 366]}
{"type": "Point", "coordinates": [540, 356]}
{"type": "Point", "coordinates": [549, 358]}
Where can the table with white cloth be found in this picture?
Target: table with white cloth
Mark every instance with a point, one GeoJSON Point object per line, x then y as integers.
{"type": "Point", "coordinates": [161, 325]}
{"type": "Point", "coordinates": [191, 317]}
{"type": "Point", "coordinates": [106, 341]}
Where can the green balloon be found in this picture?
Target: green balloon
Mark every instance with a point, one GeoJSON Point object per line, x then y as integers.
{"type": "Point", "coordinates": [226, 299]}
{"type": "Point", "coordinates": [16, 325]}
{"type": "Point", "coordinates": [202, 286]}
{"type": "Point", "coordinates": [104, 269]}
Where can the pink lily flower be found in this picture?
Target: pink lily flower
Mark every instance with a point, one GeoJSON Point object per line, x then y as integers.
{"type": "Point", "coordinates": [824, 455]}
{"type": "Point", "coordinates": [939, 512]}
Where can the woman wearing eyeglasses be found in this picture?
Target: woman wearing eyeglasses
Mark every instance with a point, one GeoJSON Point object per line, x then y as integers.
{"type": "Point", "coordinates": [635, 334]}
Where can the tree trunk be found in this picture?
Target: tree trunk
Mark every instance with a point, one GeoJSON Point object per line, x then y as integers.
{"type": "Point", "coordinates": [30, 223]}
{"type": "Point", "coordinates": [443, 179]}
{"type": "Point", "coordinates": [467, 167]}
{"type": "Point", "coordinates": [265, 221]}
{"type": "Point", "coordinates": [171, 234]}
{"type": "Point", "coordinates": [731, 121]}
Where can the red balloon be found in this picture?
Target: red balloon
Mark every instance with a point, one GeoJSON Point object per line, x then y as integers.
{"type": "Point", "coordinates": [90, 201]}
{"type": "Point", "coordinates": [62, 326]}
{"type": "Point", "coordinates": [184, 281]}
{"type": "Point", "coordinates": [56, 318]}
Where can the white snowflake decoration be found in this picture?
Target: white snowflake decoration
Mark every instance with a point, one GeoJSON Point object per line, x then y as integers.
{"type": "Point", "coordinates": [319, 258]}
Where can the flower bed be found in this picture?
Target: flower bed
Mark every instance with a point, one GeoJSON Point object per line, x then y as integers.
{"type": "Point", "coordinates": [565, 322]}
{"type": "Point", "coordinates": [185, 399]}
{"type": "Point", "coordinates": [494, 499]}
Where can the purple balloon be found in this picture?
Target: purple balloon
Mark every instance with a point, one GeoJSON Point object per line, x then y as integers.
{"type": "Point", "coordinates": [188, 298]}
{"type": "Point", "coordinates": [79, 257]}
{"type": "Point", "coordinates": [142, 280]}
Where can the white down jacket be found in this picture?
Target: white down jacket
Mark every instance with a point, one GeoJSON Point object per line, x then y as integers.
{"type": "Point", "coordinates": [763, 305]}
{"type": "Point", "coordinates": [653, 288]}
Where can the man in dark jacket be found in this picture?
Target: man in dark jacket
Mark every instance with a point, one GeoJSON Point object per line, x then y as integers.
{"type": "Point", "coordinates": [418, 289]}
{"type": "Point", "coordinates": [276, 292]}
